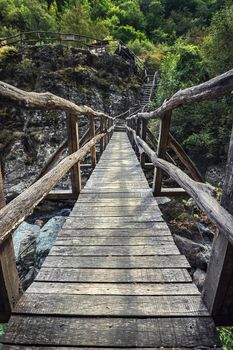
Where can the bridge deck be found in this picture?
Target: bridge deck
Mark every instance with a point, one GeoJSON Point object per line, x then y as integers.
{"type": "Point", "coordinates": [114, 278]}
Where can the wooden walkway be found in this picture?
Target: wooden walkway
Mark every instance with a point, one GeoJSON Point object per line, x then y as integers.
{"type": "Point", "coordinates": [114, 278]}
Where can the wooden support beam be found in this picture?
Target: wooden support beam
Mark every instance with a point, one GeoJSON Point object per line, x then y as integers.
{"type": "Point", "coordinates": [105, 128]}
{"type": "Point", "coordinates": [2, 195]}
{"type": "Point", "coordinates": [185, 159]}
{"type": "Point", "coordinates": [73, 146]}
{"type": "Point", "coordinates": [92, 134]}
{"type": "Point", "coordinates": [10, 288]}
{"type": "Point", "coordinates": [218, 287]}
{"type": "Point", "coordinates": [154, 143]}
{"type": "Point", "coordinates": [161, 151]}
{"type": "Point", "coordinates": [142, 134]}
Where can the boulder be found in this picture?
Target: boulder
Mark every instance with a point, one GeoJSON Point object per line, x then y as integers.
{"type": "Point", "coordinates": [197, 254]}
{"type": "Point", "coordinates": [23, 235]}
{"type": "Point", "coordinates": [199, 278]}
{"type": "Point", "coordinates": [46, 238]}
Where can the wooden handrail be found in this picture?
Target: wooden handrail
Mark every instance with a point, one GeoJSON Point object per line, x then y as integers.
{"type": "Point", "coordinates": [15, 212]}
{"type": "Point", "coordinates": [203, 194]}
{"type": "Point", "coordinates": [10, 95]}
{"type": "Point", "coordinates": [211, 89]}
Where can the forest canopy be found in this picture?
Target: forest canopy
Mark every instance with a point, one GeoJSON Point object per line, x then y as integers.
{"type": "Point", "coordinates": [188, 41]}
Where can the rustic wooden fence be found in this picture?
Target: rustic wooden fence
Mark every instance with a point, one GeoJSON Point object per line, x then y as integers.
{"type": "Point", "coordinates": [15, 212]}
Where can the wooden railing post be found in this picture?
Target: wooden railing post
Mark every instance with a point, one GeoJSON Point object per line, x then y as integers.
{"type": "Point", "coordinates": [143, 137]}
{"type": "Point", "coordinates": [105, 128]}
{"type": "Point", "coordinates": [218, 287]}
{"type": "Point", "coordinates": [10, 288]}
{"type": "Point", "coordinates": [92, 134]}
{"type": "Point", "coordinates": [73, 146]}
{"type": "Point", "coordinates": [161, 151]}
{"type": "Point", "coordinates": [102, 140]}
{"type": "Point", "coordinates": [9, 279]}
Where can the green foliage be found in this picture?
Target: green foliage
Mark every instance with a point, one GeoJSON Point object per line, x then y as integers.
{"type": "Point", "coordinates": [77, 19]}
{"type": "Point", "coordinates": [218, 45]}
{"type": "Point", "coordinates": [226, 336]}
{"type": "Point", "coordinates": [181, 67]}
{"type": "Point", "coordinates": [6, 52]}
{"type": "Point", "coordinates": [2, 330]}
{"type": "Point", "coordinates": [25, 15]}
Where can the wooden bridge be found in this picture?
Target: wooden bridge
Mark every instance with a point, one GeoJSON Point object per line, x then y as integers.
{"type": "Point", "coordinates": [114, 278]}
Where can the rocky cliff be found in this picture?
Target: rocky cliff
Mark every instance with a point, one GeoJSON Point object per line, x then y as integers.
{"type": "Point", "coordinates": [28, 138]}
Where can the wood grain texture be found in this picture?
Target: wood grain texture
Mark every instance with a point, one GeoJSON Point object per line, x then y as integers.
{"type": "Point", "coordinates": [108, 241]}
{"type": "Point", "coordinates": [121, 262]}
{"type": "Point", "coordinates": [115, 275]}
{"type": "Point", "coordinates": [114, 288]}
{"type": "Point", "coordinates": [111, 305]}
{"type": "Point", "coordinates": [114, 250]}
{"type": "Point", "coordinates": [117, 332]}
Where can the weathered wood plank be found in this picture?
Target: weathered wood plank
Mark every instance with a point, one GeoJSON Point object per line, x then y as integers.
{"type": "Point", "coordinates": [160, 229]}
{"type": "Point", "coordinates": [115, 211]}
{"type": "Point", "coordinates": [114, 288]}
{"type": "Point", "coordinates": [109, 241]}
{"type": "Point", "coordinates": [111, 305]}
{"type": "Point", "coordinates": [117, 275]}
{"type": "Point", "coordinates": [120, 262]}
{"type": "Point", "coordinates": [107, 332]}
{"type": "Point", "coordinates": [114, 250]}
{"type": "Point", "coordinates": [77, 215]}
{"type": "Point", "coordinates": [80, 224]}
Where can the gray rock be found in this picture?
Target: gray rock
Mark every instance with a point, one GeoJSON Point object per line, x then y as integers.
{"type": "Point", "coordinates": [23, 235]}
{"type": "Point", "coordinates": [46, 238]}
{"type": "Point", "coordinates": [197, 254]}
{"type": "Point", "coordinates": [199, 278]}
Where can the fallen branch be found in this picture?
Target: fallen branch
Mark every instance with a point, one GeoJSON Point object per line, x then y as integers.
{"type": "Point", "coordinates": [10, 95]}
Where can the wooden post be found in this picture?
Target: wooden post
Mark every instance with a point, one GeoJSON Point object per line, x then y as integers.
{"type": "Point", "coordinates": [161, 151]}
{"type": "Point", "coordinates": [10, 289]}
{"type": "Point", "coordinates": [73, 145]}
{"type": "Point", "coordinates": [218, 287]}
{"type": "Point", "coordinates": [102, 140]}
{"type": "Point", "coordinates": [2, 196]}
{"type": "Point", "coordinates": [105, 128]}
{"type": "Point", "coordinates": [143, 137]}
{"type": "Point", "coordinates": [92, 134]}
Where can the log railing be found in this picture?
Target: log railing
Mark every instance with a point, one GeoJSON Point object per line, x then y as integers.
{"type": "Point", "coordinates": [218, 287]}
{"type": "Point", "coordinates": [15, 212]}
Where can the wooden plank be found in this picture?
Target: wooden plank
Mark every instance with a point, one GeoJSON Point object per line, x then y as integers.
{"type": "Point", "coordinates": [159, 230]}
{"type": "Point", "coordinates": [114, 288]}
{"type": "Point", "coordinates": [134, 241]}
{"type": "Point", "coordinates": [169, 192]}
{"type": "Point", "coordinates": [116, 195]}
{"type": "Point", "coordinates": [126, 192]}
{"type": "Point", "coordinates": [107, 332]}
{"type": "Point", "coordinates": [117, 275]}
{"type": "Point", "coordinates": [115, 223]}
{"type": "Point", "coordinates": [113, 215]}
{"type": "Point", "coordinates": [120, 262]}
{"type": "Point", "coordinates": [114, 250]}
{"type": "Point", "coordinates": [73, 146]}
{"type": "Point", "coordinates": [111, 305]}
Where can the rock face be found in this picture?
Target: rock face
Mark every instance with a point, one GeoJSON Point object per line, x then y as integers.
{"type": "Point", "coordinates": [32, 244]}
{"type": "Point", "coordinates": [28, 138]}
